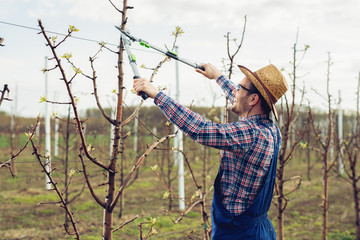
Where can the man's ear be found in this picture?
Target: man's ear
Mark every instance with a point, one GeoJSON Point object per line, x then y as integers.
{"type": "Point", "coordinates": [254, 99]}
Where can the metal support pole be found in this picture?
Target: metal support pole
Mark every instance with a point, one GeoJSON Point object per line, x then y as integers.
{"type": "Point", "coordinates": [181, 173]}
{"type": "Point", "coordinates": [179, 145]}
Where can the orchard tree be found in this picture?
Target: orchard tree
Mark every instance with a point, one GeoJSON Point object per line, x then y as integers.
{"type": "Point", "coordinates": [288, 116]}
{"type": "Point", "coordinates": [351, 154]}
{"type": "Point", "coordinates": [325, 142]}
{"type": "Point", "coordinates": [113, 192]}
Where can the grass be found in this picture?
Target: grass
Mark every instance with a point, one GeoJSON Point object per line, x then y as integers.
{"type": "Point", "coordinates": [33, 199]}
{"type": "Point", "coordinates": [28, 211]}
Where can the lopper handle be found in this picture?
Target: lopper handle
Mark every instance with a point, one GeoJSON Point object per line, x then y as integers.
{"type": "Point", "coordinates": [142, 94]}
{"type": "Point", "coordinates": [199, 67]}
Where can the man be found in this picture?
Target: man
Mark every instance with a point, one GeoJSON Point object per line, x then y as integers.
{"type": "Point", "coordinates": [246, 176]}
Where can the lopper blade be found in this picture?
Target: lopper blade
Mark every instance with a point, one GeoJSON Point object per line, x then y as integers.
{"type": "Point", "coordinates": [127, 33]}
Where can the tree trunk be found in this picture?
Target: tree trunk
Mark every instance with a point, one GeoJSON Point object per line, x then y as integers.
{"type": "Point", "coordinates": [308, 156]}
{"type": "Point", "coordinates": [121, 200]}
{"type": "Point", "coordinates": [357, 207]}
{"type": "Point", "coordinates": [67, 138]}
{"type": "Point", "coordinates": [280, 184]}
{"type": "Point", "coordinates": [325, 198]}
{"type": "Point", "coordinates": [280, 216]}
{"type": "Point", "coordinates": [108, 211]}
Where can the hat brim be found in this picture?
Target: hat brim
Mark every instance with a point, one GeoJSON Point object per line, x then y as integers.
{"type": "Point", "coordinates": [257, 83]}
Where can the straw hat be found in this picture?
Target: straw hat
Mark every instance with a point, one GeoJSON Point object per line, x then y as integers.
{"type": "Point", "coordinates": [270, 82]}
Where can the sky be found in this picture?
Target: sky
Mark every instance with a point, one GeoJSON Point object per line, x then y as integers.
{"type": "Point", "coordinates": [272, 28]}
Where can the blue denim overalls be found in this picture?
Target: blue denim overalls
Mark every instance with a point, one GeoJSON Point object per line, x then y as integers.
{"type": "Point", "coordinates": [253, 223]}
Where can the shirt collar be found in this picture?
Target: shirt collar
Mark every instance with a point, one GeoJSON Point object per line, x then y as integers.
{"type": "Point", "coordinates": [263, 117]}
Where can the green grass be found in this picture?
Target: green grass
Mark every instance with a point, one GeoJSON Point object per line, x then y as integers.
{"type": "Point", "coordinates": [4, 142]}
{"type": "Point", "coordinates": [36, 199]}
{"type": "Point", "coordinates": [346, 235]}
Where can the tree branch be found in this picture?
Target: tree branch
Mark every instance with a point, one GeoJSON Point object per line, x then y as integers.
{"type": "Point", "coordinates": [136, 166]}
{"type": "Point", "coordinates": [72, 99]}
{"type": "Point", "coordinates": [64, 204]}
{"type": "Point", "coordinates": [30, 136]}
{"type": "Point", "coordinates": [91, 189]}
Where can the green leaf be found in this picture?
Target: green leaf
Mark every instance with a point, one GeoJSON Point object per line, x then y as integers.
{"type": "Point", "coordinates": [178, 31]}
{"type": "Point", "coordinates": [43, 99]}
{"type": "Point", "coordinates": [77, 70]}
{"type": "Point", "coordinates": [54, 38]}
{"type": "Point", "coordinates": [29, 136]}
{"type": "Point", "coordinates": [73, 28]}
{"type": "Point", "coordinates": [67, 56]}
{"type": "Point", "coordinates": [166, 195]}
{"type": "Point", "coordinates": [303, 145]}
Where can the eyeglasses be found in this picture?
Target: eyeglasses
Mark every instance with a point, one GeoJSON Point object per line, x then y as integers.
{"type": "Point", "coordinates": [241, 86]}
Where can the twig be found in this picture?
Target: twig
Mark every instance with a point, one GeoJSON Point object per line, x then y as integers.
{"type": "Point", "coordinates": [52, 102]}
{"type": "Point", "coordinates": [231, 57]}
{"type": "Point", "coordinates": [150, 232]}
{"type": "Point", "coordinates": [72, 99]}
{"type": "Point", "coordinates": [125, 223]}
{"type": "Point", "coordinates": [136, 166]}
{"type": "Point", "coordinates": [299, 178]}
{"type": "Point", "coordinates": [64, 204]}
{"type": "Point", "coordinates": [91, 189]}
{"type": "Point", "coordinates": [94, 77]}
{"type": "Point", "coordinates": [134, 115]}
{"type": "Point", "coordinates": [6, 89]}
{"type": "Point", "coordinates": [115, 7]}
{"type": "Point", "coordinates": [30, 136]}
{"type": "Point", "coordinates": [172, 192]}
{"type": "Point", "coordinates": [77, 195]}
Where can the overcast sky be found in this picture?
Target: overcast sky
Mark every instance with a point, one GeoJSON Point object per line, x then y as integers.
{"type": "Point", "coordinates": [325, 25]}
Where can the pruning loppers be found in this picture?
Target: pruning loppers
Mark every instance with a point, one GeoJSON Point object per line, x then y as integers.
{"type": "Point", "coordinates": [126, 37]}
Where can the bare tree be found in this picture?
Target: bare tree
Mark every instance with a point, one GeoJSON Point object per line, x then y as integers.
{"type": "Point", "coordinates": [199, 198]}
{"type": "Point", "coordinates": [231, 56]}
{"type": "Point", "coordinates": [113, 193]}
{"type": "Point", "coordinates": [325, 145]}
{"type": "Point", "coordinates": [351, 147]}
{"type": "Point", "coordinates": [289, 116]}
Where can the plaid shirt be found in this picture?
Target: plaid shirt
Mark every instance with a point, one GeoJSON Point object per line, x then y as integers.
{"type": "Point", "coordinates": [248, 147]}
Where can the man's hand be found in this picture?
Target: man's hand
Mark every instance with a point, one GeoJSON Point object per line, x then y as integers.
{"type": "Point", "coordinates": [211, 72]}
{"type": "Point", "coordinates": [143, 85]}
